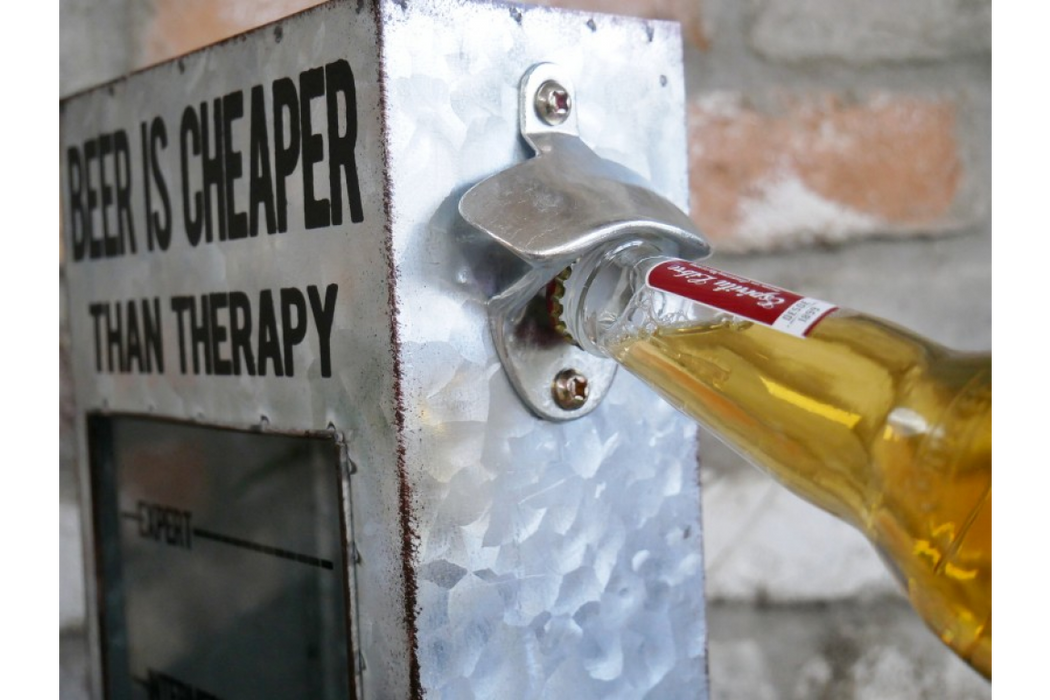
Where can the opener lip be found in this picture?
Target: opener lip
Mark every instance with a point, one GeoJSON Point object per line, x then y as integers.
{"type": "Point", "coordinates": [567, 200]}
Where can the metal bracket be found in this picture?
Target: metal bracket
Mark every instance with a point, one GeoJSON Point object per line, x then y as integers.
{"type": "Point", "coordinates": [549, 211]}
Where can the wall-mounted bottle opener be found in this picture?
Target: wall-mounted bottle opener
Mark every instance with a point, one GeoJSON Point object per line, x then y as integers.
{"type": "Point", "coordinates": [549, 211]}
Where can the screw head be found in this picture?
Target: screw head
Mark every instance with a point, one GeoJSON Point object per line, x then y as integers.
{"type": "Point", "coordinates": [570, 389]}
{"type": "Point", "coordinates": [553, 102]}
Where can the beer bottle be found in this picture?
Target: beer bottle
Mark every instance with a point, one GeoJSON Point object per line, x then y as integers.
{"type": "Point", "coordinates": [884, 429]}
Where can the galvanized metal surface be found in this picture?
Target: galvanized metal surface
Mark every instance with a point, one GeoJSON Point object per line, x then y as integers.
{"type": "Point", "coordinates": [554, 560]}
{"type": "Point", "coordinates": [496, 554]}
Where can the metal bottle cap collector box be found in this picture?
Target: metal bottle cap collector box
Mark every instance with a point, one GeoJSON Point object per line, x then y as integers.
{"type": "Point", "coordinates": [306, 471]}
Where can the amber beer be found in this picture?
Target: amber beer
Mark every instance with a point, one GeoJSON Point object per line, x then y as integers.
{"type": "Point", "coordinates": [882, 428]}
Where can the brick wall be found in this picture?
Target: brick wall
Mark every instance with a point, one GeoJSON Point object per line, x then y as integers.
{"type": "Point", "coordinates": [837, 147]}
{"type": "Point", "coordinates": [821, 121]}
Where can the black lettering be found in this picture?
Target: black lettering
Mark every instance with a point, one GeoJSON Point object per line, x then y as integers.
{"type": "Point", "coordinates": [217, 333]}
{"type": "Point", "coordinates": [241, 333]}
{"type": "Point", "coordinates": [94, 242]}
{"type": "Point", "coordinates": [78, 226]}
{"type": "Point", "coordinates": [191, 334]}
{"type": "Point", "coordinates": [286, 152]}
{"type": "Point", "coordinates": [111, 248]}
{"type": "Point", "coordinates": [269, 346]}
{"type": "Point", "coordinates": [165, 524]}
{"type": "Point", "coordinates": [212, 171]}
{"type": "Point", "coordinates": [164, 687]}
{"type": "Point", "coordinates": [145, 521]}
{"type": "Point", "coordinates": [324, 316]}
{"type": "Point", "coordinates": [128, 334]}
{"type": "Point", "coordinates": [200, 337]}
{"type": "Point", "coordinates": [260, 178]}
{"type": "Point", "coordinates": [187, 530]}
{"type": "Point", "coordinates": [115, 341]}
{"type": "Point", "coordinates": [146, 190]}
{"type": "Point", "coordinates": [316, 211]}
{"type": "Point", "coordinates": [292, 332]}
{"type": "Point", "coordinates": [339, 79]}
{"type": "Point", "coordinates": [190, 132]}
{"type": "Point", "coordinates": [98, 310]}
{"type": "Point", "coordinates": [111, 201]}
{"type": "Point", "coordinates": [122, 168]}
{"type": "Point", "coordinates": [133, 344]}
{"type": "Point", "coordinates": [151, 334]}
{"type": "Point", "coordinates": [158, 227]}
{"type": "Point", "coordinates": [232, 110]}
{"type": "Point", "coordinates": [181, 305]}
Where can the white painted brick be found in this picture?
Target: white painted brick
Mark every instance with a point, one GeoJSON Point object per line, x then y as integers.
{"type": "Point", "coordinates": [889, 671]}
{"type": "Point", "coordinates": [848, 650]}
{"type": "Point", "coordinates": [763, 543]}
{"type": "Point", "coordinates": [742, 672]}
{"type": "Point", "coordinates": [860, 31]}
{"type": "Point", "coordinates": [827, 167]}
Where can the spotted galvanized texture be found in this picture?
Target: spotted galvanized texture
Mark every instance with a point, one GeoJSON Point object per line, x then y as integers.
{"type": "Point", "coordinates": [553, 560]}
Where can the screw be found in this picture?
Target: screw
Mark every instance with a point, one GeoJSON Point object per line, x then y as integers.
{"type": "Point", "coordinates": [570, 389]}
{"type": "Point", "coordinates": [553, 102]}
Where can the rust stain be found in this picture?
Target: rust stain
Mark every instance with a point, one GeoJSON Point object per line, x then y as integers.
{"type": "Point", "coordinates": [894, 158]}
{"type": "Point", "coordinates": [409, 535]}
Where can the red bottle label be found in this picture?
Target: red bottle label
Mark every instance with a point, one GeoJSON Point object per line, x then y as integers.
{"type": "Point", "coordinates": [755, 301]}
